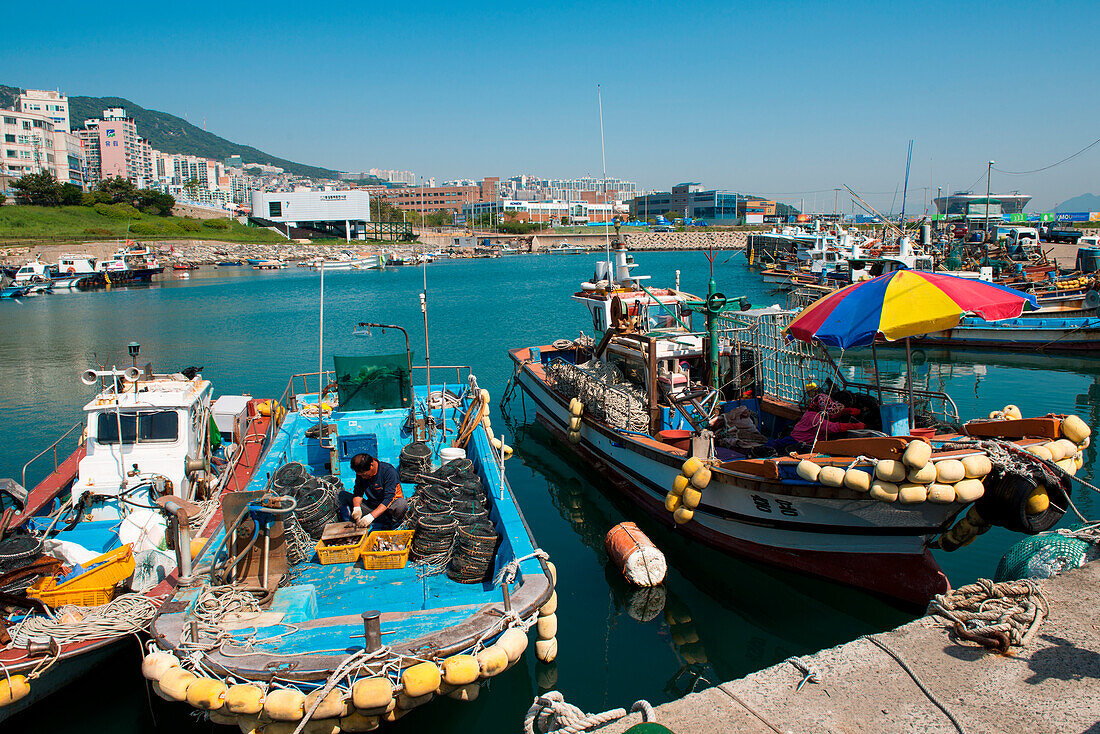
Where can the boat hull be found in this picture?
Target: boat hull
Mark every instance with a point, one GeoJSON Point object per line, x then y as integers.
{"type": "Point", "coordinates": [1077, 335]}
{"type": "Point", "coordinates": [863, 543]}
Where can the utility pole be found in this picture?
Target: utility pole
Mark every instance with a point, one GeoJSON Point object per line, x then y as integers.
{"type": "Point", "coordinates": [988, 171]}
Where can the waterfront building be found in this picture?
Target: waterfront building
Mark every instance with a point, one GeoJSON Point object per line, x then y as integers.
{"type": "Point", "coordinates": [53, 105]}
{"type": "Point", "coordinates": [710, 205]}
{"type": "Point", "coordinates": [338, 212]}
{"type": "Point", "coordinates": [428, 199]}
{"type": "Point", "coordinates": [972, 207]}
{"type": "Point", "coordinates": [548, 212]}
{"type": "Point", "coordinates": [33, 141]}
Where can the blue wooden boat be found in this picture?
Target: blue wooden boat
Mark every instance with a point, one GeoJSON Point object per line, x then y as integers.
{"type": "Point", "coordinates": [12, 291]}
{"type": "Point", "coordinates": [1073, 334]}
{"type": "Point", "coordinates": [269, 631]}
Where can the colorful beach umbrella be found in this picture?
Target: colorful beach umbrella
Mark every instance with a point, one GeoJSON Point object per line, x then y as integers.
{"type": "Point", "coordinates": [902, 304]}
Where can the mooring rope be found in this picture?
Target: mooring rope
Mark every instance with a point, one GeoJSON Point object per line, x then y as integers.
{"type": "Point", "coordinates": [920, 684]}
{"type": "Point", "coordinates": [997, 616]}
{"type": "Point", "coordinates": [123, 615]}
{"type": "Point", "coordinates": [550, 714]}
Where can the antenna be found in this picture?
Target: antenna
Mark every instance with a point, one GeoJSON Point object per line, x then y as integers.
{"type": "Point", "coordinates": [603, 156]}
{"type": "Point", "coordinates": [905, 190]}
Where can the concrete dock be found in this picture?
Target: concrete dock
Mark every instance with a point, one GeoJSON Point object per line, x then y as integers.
{"type": "Point", "coordinates": [1053, 685]}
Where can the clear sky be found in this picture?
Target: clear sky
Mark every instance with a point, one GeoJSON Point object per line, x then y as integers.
{"type": "Point", "coordinates": [771, 97]}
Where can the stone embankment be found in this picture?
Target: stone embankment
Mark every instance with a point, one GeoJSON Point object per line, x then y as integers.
{"type": "Point", "coordinates": [1052, 685]}
{"type": "Point", "coordinates": [685, 240]}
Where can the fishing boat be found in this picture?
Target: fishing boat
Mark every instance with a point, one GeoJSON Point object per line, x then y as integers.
{"type": "Point", "coordinates": [82, 559]}
{"type": "Point", "coordinates": [564, 248]}
{"type": "Point", "coordinates": [268, 264]}
{"type": "Point", "coordinates": [12, 291]}
{"type": "Point", "coordinates": [185, 265]}
{"type": "Point", "coordinates": [134, 262]}
{"type": "Point", "coordinates": [1028, 333]}
{"type": "Point", "coordinates": [34, 277]}
{"type": "Point", "coordinates": [299, 616]}
{"type": "Point", "coordinates": [76, 271]}
{"type": "Point", "coordinates": [693, 425]}
{"type": "Point", "coordinates": [348, 261]}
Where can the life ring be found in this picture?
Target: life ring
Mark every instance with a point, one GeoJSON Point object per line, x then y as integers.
{"type": "Point", "coordinates": [71, 270]}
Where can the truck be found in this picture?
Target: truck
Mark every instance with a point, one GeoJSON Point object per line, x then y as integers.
{"type": "Point", "coordinates": [1050, 233]}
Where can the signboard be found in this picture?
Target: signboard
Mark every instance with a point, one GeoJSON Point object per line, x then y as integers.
{"type": "Point", "coordinates": [1094, 216]}
{"type": "Point", "coordinates": [1072, 217]}
{"type": "Point", "coordinates": [979, 210]}
{"type": "Point", "coordinates": [1017, 217]}
{"type": "Point", "coordinates": [1046, 217]}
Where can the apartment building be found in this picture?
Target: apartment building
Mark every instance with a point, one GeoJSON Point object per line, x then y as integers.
{"type": "Point", "coordinates": [114, 149]}
{"type": "Point", "coordinates": [33, 142]}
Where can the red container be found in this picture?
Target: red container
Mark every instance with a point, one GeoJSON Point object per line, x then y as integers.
{"type": "Point", "coordinates": [926, 433]}
{"type": "Point", "coordinates": [677, 439]}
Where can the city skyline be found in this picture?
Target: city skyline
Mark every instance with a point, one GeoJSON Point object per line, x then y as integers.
{"type": "Point", "coordinates": [787, 100]}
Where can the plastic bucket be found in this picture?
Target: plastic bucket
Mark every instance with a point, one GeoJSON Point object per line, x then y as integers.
{"type": "Point", "coordinates": [926, 433]}
{"type": "Point", "coordinates": [450, 454]}
{"type": "Point", "coordinates": [678, 439]}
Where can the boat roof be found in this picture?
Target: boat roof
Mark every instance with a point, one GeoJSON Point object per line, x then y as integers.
{"type": "Point", "coordinates": [158, 391]}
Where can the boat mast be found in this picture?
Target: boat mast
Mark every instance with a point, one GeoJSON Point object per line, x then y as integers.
{"type": "Point", "coordinates": [603, 156]}
{"type": "Point", "coordinates": [321, 358]}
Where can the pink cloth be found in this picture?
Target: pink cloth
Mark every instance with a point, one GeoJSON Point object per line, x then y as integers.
{"type": "Point", "coordinates": [805, 431]}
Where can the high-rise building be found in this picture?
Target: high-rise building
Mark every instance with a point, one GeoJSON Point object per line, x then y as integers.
{"type": "Point", "coordinates": [114, 149]}
{"type": "Point", "coordinates": [53, 105]}
{"type": "Point", "coordinates": [33, 142]}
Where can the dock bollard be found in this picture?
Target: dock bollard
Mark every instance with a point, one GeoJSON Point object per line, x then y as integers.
{"type": "Point", "coordinates": [372, 630]}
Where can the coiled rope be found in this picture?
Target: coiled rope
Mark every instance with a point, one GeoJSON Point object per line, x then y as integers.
{"type": "Point", "coordinates": [997, 616]}
{"type": "Point", "coordinates": [550, 714]}
{"type": "Point", "coordinates": [124, 615]}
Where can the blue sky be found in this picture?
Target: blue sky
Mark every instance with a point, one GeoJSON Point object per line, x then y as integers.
{"type": "Point", "coordinates": [780, 98]}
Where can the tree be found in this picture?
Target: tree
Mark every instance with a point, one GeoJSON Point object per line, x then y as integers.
{"type": "Point", "coordinates": [71, 195]}
{"type": "Point", "coordinates": [3, 199]}
{"type": "Point", "coordinates": [155, 202]}
{"type": "Point", "coordinates": [40, 189]}
{"type": "Point", "coordinates": [116, 190]}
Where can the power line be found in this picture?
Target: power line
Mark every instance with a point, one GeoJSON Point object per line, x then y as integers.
{"type": "Point", "coordinates": [1052, 165]}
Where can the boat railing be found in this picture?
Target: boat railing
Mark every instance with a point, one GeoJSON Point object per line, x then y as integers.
{"type": "Point", "coordinates": [52, 448]}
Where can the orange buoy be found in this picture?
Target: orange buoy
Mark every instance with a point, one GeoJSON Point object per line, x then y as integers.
{"type": "Point", "coordinates": [635, 554]}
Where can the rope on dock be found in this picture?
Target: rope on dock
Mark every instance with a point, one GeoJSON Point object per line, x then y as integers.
{"type": "Point", "coordinates": [724, 689]}
{"type": "Point", "coordinates": [550, 714]}
{"type": "Point", "coordinates": [920, 684]}
{"type": "Point", "coordinates": [809, 672]}
{"type": "Point", "coordinates": [997, 616]}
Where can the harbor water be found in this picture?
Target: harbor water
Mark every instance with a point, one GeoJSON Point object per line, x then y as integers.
{"type": "Point", "coordinates": [715, 619]}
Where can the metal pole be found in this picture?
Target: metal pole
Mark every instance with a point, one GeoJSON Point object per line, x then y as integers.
{"type": "Point", "coordinates": [988, 171]}
{"type": "Point", "coordinates": [320, 359]}
{"type": "Point", "coordinates": [909, 378]}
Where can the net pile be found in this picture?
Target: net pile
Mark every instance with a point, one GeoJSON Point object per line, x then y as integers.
{"type": "Point", "coordinates": [606, 394]}
{"type": "Point", "coordinates": [1047, 554]}
{"type": "Point", "coordinates": [454, 532]}
{"type": "Point", "coordinates": [416, 458]}
{"type": "Point", "coordinates": [318, 505]}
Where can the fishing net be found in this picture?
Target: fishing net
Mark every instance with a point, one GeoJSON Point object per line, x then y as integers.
{"type": "Point", "coordinates": [472, 558]}
{"type": "Point", "coordinates": [606, 394]}
{"type": "Point", "coordinates": [1047, 554]}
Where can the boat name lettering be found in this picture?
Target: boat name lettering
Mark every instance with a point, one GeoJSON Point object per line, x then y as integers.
{"type": "Point", "coordinates": [786, 507]}
{"type": "Point", "coordinates": [761, 503]}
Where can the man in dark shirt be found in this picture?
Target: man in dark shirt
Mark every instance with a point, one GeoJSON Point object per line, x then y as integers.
{"type": "Point", "coordinates": [376, 502]}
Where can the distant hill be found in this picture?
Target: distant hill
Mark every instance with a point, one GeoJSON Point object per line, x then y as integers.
{"type": "Point", "coordinates": [172, 134]}
{"type": "Point", "coordinates": [1081, 203]}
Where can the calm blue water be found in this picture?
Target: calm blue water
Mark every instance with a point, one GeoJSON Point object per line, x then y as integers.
{"type": "Point", "coordinates": [251, 330]}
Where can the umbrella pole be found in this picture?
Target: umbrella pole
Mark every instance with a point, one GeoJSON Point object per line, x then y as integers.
{"type": "Point", "coordinates": [878, 382]}
{"type": "Point", "coordinates": [909, 378]}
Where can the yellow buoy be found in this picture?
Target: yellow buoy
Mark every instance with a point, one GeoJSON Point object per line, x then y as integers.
{"type": "Point", "coordinates": [884, 491]}
{"type": "Point", "coordinates": [174, 683]}
{"type": "Point", "coordinates": [911, 494]}
{"type": "Point", "coordinates": [701, 478]}
{"type": "Point", "coordinates": [284, 704]}
{"type": "Point", "coordinates": [831, 476]}
{"type": "Point", "coordinates": [672, 502]}
{"type": "Point", "coordinates": [924, 475]}
{"type": "Point", "coordinates": [807, 470]}
{"type": "Point", "coordinates": [197, 544]}
{"type": "Point", "coordinates": [372, 693]}
{"type": "Point", "coordinates": [950, 471]}
{"type": "Point", "coordinates": [1012, 413]}
{"type": "Point", "coordinates": [553, 573]}
{"type": "Point", "coordinates": [1069, 448]}
{"type": "Point", "coordinates": [1041, 451]}
{"type": "Point", "coordinates": [858, 480]}
{"type": "Point", "coordinates": [574, 423]}
{"type": "Point", "coordinates": [917, 454]}
{"type": "Point", "coordinates": [546, 650]}
{"type": "Point", "coordinates": [485, 396]}
{"type": "Point", "coordinates": [460, 670]}
{"type": "Point", "coordinates": [420, 679]}
{"type": "Point", "coordinates": [977, 466]}
{"type": "Point", "coordinates": [357, 722]}
{"type": "Point", "coordinates": [14, 688]}
{"type": "Point", "coordinates": [514, 642]}
{"type": "Point", "coordinates": [691, 497]}
{"type": "Point", "coordinates": [546, 627]}
{"type": "Point", "coordinates": [576, 407]}
{"type": "Point", "coordinates": [969, 490]}
{"type": "Point", "coordinates": [206, 694]}
{"type": "Point", "coordinates": [466, 693]}
{"type": "Point", "coordinates": [492, 661]}
{"type": "Point", "coordinates": [682, 515]}
{"type": "Point", "coordinates": [691, 466]}
{"type": "Point", "coordinates": [890, 471]}
{"type": "Point", "coordinates": [1068, 465]}
{"type": "Point", "coordinates": [157, 664]}
{"type": "Point", "coordinates": [941, 494]}
{"type": "Point", "coordinates": [1075, 429]}
{"type": "Point", "coordinates": [550, 606]}
{"type": "Point", "coordinates": [332, 706]}
{"type": "Point", "coordinates": [244, 699]}
{"type": "Point", "coordinates": [1038, 501]}
{"type": "Point", "coordinates": [680, 483]}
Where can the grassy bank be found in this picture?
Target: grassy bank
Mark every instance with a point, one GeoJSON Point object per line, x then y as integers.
{"type": "Point", "coordinates": [39, 224]}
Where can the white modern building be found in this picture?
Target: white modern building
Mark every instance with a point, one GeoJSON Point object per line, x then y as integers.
{"type": "Point", "coordinates": [33, 141]}
{"type": "Point", "coordinates": [340, 212]}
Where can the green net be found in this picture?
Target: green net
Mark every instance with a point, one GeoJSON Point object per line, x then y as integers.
{"type": "Point", "coordinates": [373, 383]}
{"type": "Point", "coordinates": [1042, 556]}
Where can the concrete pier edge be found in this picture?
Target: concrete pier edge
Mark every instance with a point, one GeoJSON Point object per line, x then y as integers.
{"type": "Point", "coordinates": [1053, 685]}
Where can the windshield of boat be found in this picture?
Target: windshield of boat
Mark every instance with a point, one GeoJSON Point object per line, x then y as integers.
{"type": "Point", "coordinates": [159, 426]}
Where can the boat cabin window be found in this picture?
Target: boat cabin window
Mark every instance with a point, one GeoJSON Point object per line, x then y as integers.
{"type": "Point", "coordinates": [144, 427]}
{"type": "Point", "coordinates": [597, 318]}
{"type": "Point", "coordinates": [662, 318]}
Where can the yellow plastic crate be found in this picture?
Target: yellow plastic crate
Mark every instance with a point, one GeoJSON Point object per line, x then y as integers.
{"type": "Point", "coordinates": [376, 560]}
{"type": "Point", "coordinates": [348, 553]}
{"type": "Point", "coordinates": [92, 588]}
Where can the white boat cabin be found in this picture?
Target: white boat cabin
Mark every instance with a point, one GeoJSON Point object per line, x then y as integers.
{"type": "Point", "coordinates": [75, 265]}
{"type": "Point", "coordinates": [612, 283]}
{"type": "Point", "coordinates": [35, 271]}
{"type": "Point", "coordinates": [139, 432]}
